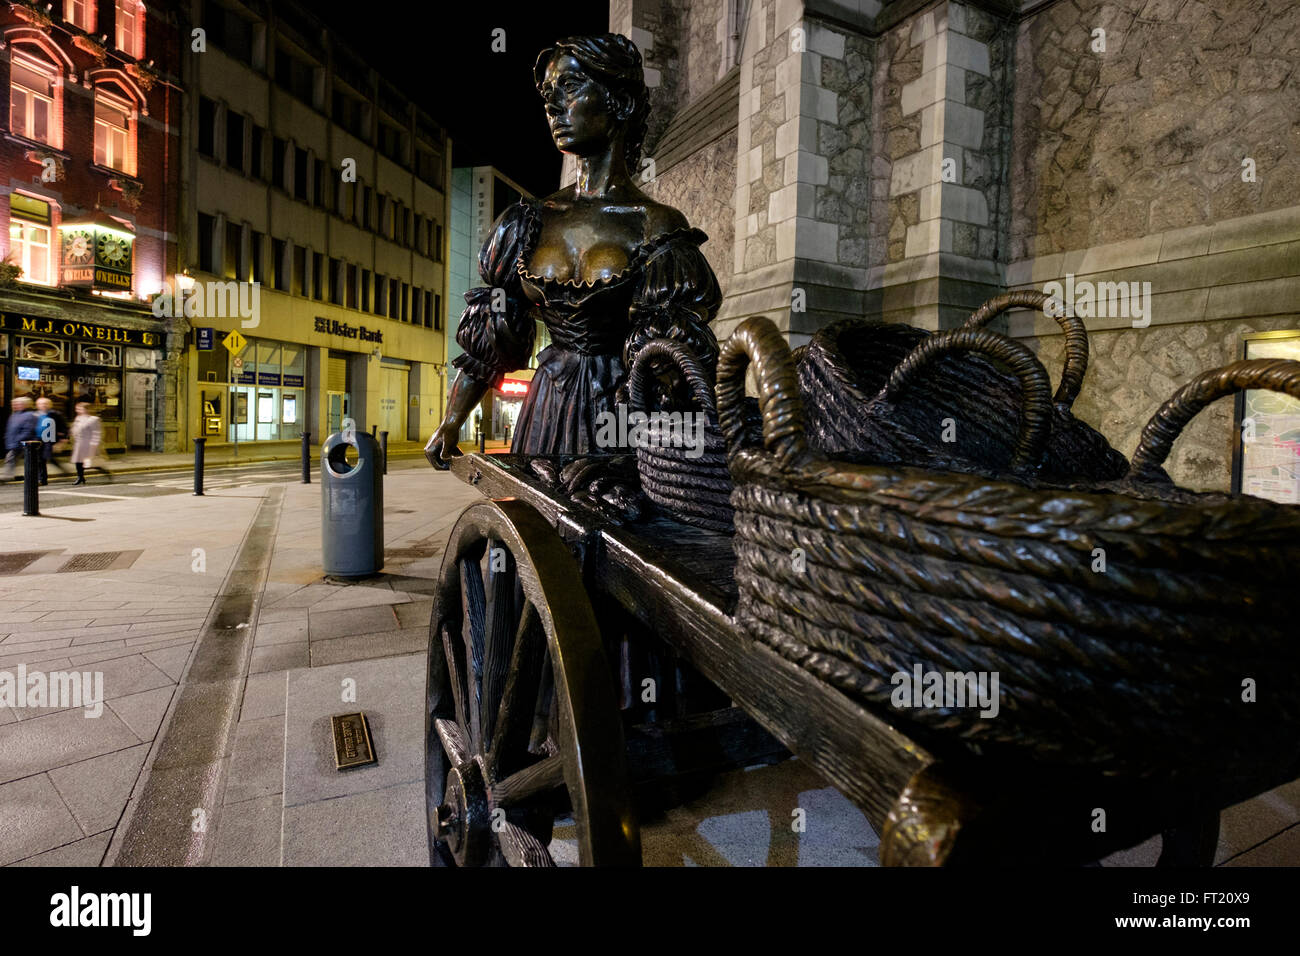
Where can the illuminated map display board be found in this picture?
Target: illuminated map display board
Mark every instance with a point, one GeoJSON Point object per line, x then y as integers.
{"type": "Point", "coordinates": [1267, 457]}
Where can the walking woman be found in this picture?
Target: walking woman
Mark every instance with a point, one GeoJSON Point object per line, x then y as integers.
{"type": "Point", "coordinates": [85, 443]}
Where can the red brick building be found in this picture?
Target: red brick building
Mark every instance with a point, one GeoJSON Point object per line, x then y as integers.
{"type": "Point", "coordinates": [89, 180]}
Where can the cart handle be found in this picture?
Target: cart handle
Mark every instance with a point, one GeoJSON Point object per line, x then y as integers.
{"type": "Point", "coordinates": [1076, 335]}
{"type": "Point", "coordinates": [757, 341]}
{"type": "Point", "coordinates": [1035, 387]}
{"type": "Point", "coordinates": [1275, 375]}
{"type": "Point", "coordinates": [684, 360]}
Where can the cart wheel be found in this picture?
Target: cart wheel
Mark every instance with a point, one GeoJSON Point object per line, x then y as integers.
{"type": "Point", "coordinates": [521, 707]}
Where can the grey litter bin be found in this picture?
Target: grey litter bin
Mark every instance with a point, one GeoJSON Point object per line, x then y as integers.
{"type": "Point", "coordinates": [352, 507]}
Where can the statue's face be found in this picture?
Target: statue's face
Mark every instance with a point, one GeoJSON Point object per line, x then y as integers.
{"type": "Point", "coordinates": [575, 108]}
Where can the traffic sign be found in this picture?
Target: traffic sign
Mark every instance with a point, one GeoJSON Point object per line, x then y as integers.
{"type": "Point", "coordinates": [237, 362]}
{"type": "Point", "coordinates": [234, 342]}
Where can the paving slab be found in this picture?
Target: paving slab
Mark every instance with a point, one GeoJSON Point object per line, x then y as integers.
{"type": "Point", "coordinates": [143, 713]}
{"type": "Point", "coordinates": [264, 696]}
{"type": "Point", "coordinates": [279, 657]}
{"type": "Point", "coordinates": [343, 622]}
{"type": "Point", "coordinates": [34, 746]}
{"type": "Point", "coordinates": [96, 790]}
{"type": "Point", "coordinates": [325, 833]}
{"type": "Point", "coordinates": [280, 632]}
{"type": "Point", "coordinates": [365, 646]}
{"type": "Point", "coordinates": [170, 660]}
{"type": "Point", "coordinates": [390, 691]}
{"type": "Point", "coordinates": [257, 765]}
{"type": "Point", "coordinates": [80, 853]}
{"type": "Point", "coordinates": [249, 833]}
{"type": "Point", "coordinates": [1281, 850]}
{"type": "Point", "coordinates": [33, 819]}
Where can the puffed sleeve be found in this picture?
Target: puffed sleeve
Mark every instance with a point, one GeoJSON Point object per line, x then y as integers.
{"type": "Point", "coordinates": [496, 329]}
{"type": "Point", "coordinates": [677, 299]}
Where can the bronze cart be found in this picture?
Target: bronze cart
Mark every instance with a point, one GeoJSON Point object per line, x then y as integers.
{"type": "Point", "coordinates": [586, 668]}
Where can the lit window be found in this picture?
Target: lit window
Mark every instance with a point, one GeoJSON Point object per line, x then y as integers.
{"type": "Point", "coordinates": [129, 17]}
{"type": "Point", "coordinates": [32, 94]}
{"type": "Point", "coordinates": [80, 13]}
{"type": "Point", "coordinates": [113, 134]}
{"type": "Point", "coordinates": [29, 247]}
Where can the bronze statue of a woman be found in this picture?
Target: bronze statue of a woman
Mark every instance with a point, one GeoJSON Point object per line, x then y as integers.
{"type": "Point", "coordinates": [603, 265]}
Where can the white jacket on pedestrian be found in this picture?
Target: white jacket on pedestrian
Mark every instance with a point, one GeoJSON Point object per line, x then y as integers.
{"type": "Point", "coordinates": [85, 439]}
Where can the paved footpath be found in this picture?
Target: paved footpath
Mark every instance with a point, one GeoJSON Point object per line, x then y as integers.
{"type": "Point", "coordinates": [223, 652]}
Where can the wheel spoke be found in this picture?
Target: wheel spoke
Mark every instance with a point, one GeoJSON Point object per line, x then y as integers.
{"type": "Point", "coordinates": [546, 774]}
{"type": "Point", "coordinates": [502, 618]}
{"type": "Point", "coordinates": [471, 576]}
{"type": "Point", "coordinates": [542, 711]}
{"type": "Point", "coordinates": [514, 722]}
{"type": "Point", "coordinates": [453, 741]}
{"type": "Point", "coordinates": [454, 658]}
{"type": "Point", "coordinates": [521, 848]}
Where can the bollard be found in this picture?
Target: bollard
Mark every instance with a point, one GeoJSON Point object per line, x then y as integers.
{"type": "Point", "coordinates": [383, 450]}
{"type": "Point", "coordinates": [374, 432]}
{"type": "Point", "coordinates": [198, 465]}
{"type": "Point", "coordinates": [33, 451]}
{"type": "Point", "coordinates": [482, 443]}
{"type": "Point", "coordinates": [306, 458]}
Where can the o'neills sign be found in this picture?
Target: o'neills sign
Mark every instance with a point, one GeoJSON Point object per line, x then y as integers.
{"type": "Point", "coordinates": [83, 331]}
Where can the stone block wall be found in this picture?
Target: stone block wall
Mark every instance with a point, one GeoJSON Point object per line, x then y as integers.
{"type": "Point", "coordinates": [702, 188]}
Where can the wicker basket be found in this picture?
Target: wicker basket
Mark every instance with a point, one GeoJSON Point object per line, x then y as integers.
{"type": "Point", "coordinates": [847, 363]}
{"type": "Point", "coordinates": [1135, 666]}
{"type": "Point", "coordinates": [696, 490]}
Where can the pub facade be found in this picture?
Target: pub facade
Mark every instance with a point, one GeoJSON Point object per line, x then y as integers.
{"type": "Point", "coordinates": [88, 181]}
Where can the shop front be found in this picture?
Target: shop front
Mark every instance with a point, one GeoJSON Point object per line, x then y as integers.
{"type": "Point", "coordinates": [256, 392]}
{"type": "Point", "coordinates": [109, 367]}
{"type": "Point", "coordinates": [498, 412]}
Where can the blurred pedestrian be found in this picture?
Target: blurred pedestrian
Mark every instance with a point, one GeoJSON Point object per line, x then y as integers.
{"type": "Point", "coordinates": [51, 429]}
{"type": "Point", "coordinates": [20, 428]}
{"type": "Point", "coordinates": [86, 434]}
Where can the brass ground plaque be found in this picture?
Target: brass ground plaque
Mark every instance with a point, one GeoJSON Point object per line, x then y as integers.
{"type": "Point", "coordinates": [352, 744]}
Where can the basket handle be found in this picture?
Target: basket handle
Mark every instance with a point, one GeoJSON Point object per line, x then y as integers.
{"type": "Point", "coordinates": [683, 359]}
{"type": "Point", "coordinates": [758, 341]}
{"type": "Point", "coordinates": [1076, 335]}
{"type": "Point", "coordinates": [1036, 387]}
{"type": "Point", "coordinates": [1275, 375]}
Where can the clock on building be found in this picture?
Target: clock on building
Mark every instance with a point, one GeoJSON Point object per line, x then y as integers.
{"type": "Point", "coordinates": [114, 251]}
{"type": "Point", "coordinates": [78, 247]}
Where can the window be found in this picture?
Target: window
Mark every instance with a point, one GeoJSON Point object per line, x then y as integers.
{"type": "Point", "coordinates": [32, 97]}
{"type": "Point", "coordinates": [365, 290]}
{"type": "Point", "coordinates": [129, 20]}
{"type": "Point", "coordinates": [382, 217]}
{"type": "Point", "coordinates": [318, 183]}
{"type": "Point", "coordinates": [279, 148]}
{"type": "Point", "coordinates": [437, 312]}
{"type": "Point", "coordinates": [417, 307]}
{"type": "Point", "coordinates": [228, 31]}
{"type": "Point", "coordinates": [437, 243]}
{"type": "Point", "coordinates": [279, 265]}
{"type": "Point", "coordinates": [299, 271]}
{"type": "Point", "coordinates": [336, 281]}
{"type": "Point", "coordinates": [381, 295]}
{"type": "Point", "coordinates": [234, 240]}
{"type": "Point", "coordinates": [419, 235]}
{"type": "Point", "coordinates": [406, 302]}
{"type": "Point", "coordinates": [300, 165]}
{"type": "Point", "coordinates": [207, 247]}
{"type": "Point", "coordinates": [113, 139]}
{"type": "Point", "coordinates": [80, 13]}
{"type": "Point", "coordinates": [428, 308]}
{"type": "Point", "coordinates": [394, 298]}
{"type": "Point", "coordinates": [207, 127]}
{"type": "Point", "coordinates": [318, 275]}
{"type": "Point", "coordinates": [365, 207]}
{"type": "Point", "coordinates": [29, 240]}
{"type": "Point", "coordinates": [256, 245]}
{"type": "Point", "coordinates": [295, 75]}
{"type": "Point", "coordinates": [255, 166]}
{"type": "Point", "coordinates": [408, 238]}
{"type": "Point", "coordinates": [351, 286]}
{"type": "Point", "coordinates": [235, 140]}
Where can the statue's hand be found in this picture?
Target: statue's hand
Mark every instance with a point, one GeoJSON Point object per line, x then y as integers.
{"type": "Point", "coordinates": [443, 446]}
{"type": "Point", "coordinates": [605, 483]}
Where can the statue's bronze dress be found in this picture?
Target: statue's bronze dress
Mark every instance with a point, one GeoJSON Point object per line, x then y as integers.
{"type": "Point", "coordinates": [667, 290]}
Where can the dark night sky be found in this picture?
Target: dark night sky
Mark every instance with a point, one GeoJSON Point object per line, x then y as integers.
{"type": "Point", "coordinates": [485, 100]}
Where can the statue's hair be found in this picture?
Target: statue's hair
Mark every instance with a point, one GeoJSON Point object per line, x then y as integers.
{"type": "Point", "coordinates": [614, 62]}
